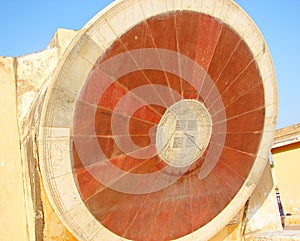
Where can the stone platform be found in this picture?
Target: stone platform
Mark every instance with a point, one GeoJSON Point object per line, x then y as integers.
{"type": "Point", "coordinates": [284, 235]}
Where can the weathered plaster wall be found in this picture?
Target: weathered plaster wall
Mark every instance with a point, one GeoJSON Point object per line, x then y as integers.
{"type": "Point", "coordinates": [53, 229]}
{"type": "Point", "coordinates": [33, 70]}
{"type": "Point", "coordinates": [33, 75]}
{"type": "Point", "coordinates": [233, 231]}
{"type": "Point", "coordinates": [262, 208]}
{"type": "Point", "coordinates": [13, 224]}
{"type": "Point", "coordinates": [25, 210]}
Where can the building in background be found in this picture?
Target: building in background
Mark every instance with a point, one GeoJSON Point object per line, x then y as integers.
{"type": "Point", "coordinates": [286, 159]}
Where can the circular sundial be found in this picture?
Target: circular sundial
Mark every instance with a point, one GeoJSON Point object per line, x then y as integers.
{"type": "Point", "coordinates": [158, 121]}
{"type": "Point", "coordinates": [183, 133]}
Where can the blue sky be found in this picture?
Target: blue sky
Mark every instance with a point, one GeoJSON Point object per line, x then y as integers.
{"type": "Point", "coordinates": [28, 26]}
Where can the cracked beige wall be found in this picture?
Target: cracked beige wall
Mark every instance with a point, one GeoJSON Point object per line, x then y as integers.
{"type": "Point", "coordinates": [26, 214]}
{"type": "Point", "coordinates": [13, 224]}
{"type": "Point", "coordinates": [34, 72]}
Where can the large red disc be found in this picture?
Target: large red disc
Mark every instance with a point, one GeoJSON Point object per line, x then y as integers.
{"type": "Point", "coordinates": [168, 120]}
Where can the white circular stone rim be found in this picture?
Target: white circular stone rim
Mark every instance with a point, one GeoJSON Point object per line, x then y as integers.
{"type": "Point", "coordinates": [55, 131]}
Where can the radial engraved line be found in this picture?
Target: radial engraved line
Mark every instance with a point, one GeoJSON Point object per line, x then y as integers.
{"type": "Point", "coordinates": [146, 77]}
{"type": "Point", "coordinates": [137, 213]}
{"type": "Point", "coordinates": [234, 100]}
{"type": "Point", "coordinates": [176, 200]}
{"type": "Point", "coordinates": [114, 181]}
{"type": "Point", "coordinates": [225, 66]}
{"type": "Point", "coordinates": [154, 44]}
{"type": "Point", "coordinates": [118, 155]}
{"type": "Point", "coordinates": [120, 85]}
{"type": "Point", "coordinates": [204, 200]}
{"type": "Point", "coordinates": [173, 213]}
{"type": "Point", "coordinates": [231, 169]}
{"type": "Point", "coordinates": [157, 213]}
{"type": "Point", "coordinates": [129, 92]}
{"type": "Point", "coordinates": [196, 53]}
{"type": "Point", "coordinates": [138, 98]}
{"type": "Point", "coordinates": [190, 206]}
{"type": "Point", "coordinates": [132, 58]}
{"type": "Point", "coordinates": [228, 60]}
{"type": "Point", "coordinates": [121, 114]}
{"type": "Point", "coordinates": [178, 52]}
{"type": "Point", "coordinates": [221, 192]}
{"type": "Point", "coordinates": [245, 132]}
{"type": "Point", "coordinates": [223, 189]}
{"type": "Point", "coordinates": [187, 196]}
{"type": "Point", "coordinates": [240, 151]}
{"type": "Point", "coordinates": [139, 68]}
{"type": "Point", "coordinates": [241, 114]}
{"type": "Point", "coordinates": [218, 38]}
